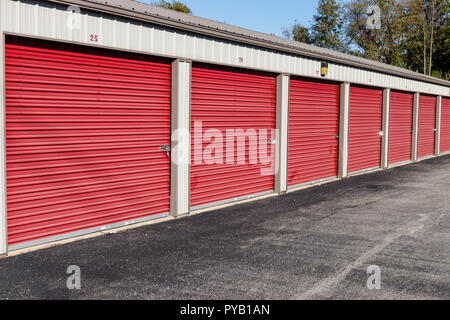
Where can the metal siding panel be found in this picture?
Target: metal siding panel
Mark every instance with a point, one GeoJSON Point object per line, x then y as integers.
{"type": "Point", "coordinates": [282, 117]}
{"type": "Point", "coordinates": [385, 128]}
{"type": "Point", "coordinates": [313, 125]}
{"type": "Point", "coordinates": [343, 129]}
{"type": "Point", "coordinates": [228, 98]}
{"type": "Point", "coordinates": [437, 139]}
{"type": "Point", "coordinates": [365, 124]}
{"type": "Point", "coordinates": [25, 18]}
{"type": "Point", "coordinates": [427, 126]}
{"type": "Point", "coordinates": [400, 127]}
{"type": "Point", "coordinates": [180, 154]}
{"type": "Point", "coordinates": [83, 130]}
{"type": "Point", "coordinates": [445, 125]}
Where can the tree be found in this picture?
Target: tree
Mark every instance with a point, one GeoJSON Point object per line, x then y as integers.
{"type": "Point", "coordinates": [175, 5]}
{"type": "Point", "coordinates": [426, 35]}
{"type": "Point", "coordinates": [441, 60]}
{"type": "Point", "coordinates": [298, 33]}
{"type": "Point", "coordinates": [416, 36]}
{"type": "Point", "coordinates": [435, 10]}
{"type": "Point", "coordinates": [326, 30]}
{"type": "Point", "coordinates": [383, 41]}
{"type": "Point", "coordinates": [413, 34]}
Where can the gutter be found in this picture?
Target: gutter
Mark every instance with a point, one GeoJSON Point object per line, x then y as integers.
{"type": "Point", "coordinates": [245, 39]}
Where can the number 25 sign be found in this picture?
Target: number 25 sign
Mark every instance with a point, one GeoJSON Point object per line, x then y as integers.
{"type": "Point", "coordinates": [93, 38]}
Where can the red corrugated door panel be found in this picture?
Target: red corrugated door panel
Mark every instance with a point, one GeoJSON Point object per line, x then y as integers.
{"type": "Point", "coordinates": [427, 126]}
{"type": "Point", "coordinates": [365, 125]}
{"type": "Point", "coordinates": [400, 127]}
{"type": "Point", "coordinates": [313, 130]}
{"type": "Point", "coordinates": [83, 132]}
{"type": "Point", "coordinates": [445, 125]}
{"type": "Point", "coordinates": [224, 100]}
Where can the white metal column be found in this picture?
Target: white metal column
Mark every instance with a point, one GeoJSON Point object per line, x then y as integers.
{"type": "Point", "coordinates": [181, 141]}
{"type": "Point", "coordinates": [438, 125]}
{"type": "Point", "coordinates": [282, 129]}
{"type": "Point", "coordinates": [3, 227]}
{"type": "Point", "coordinates": [385, 138]}
{"type": "Point", "coordinates": [415, 136]}
{"type": "Point", "coordinates": [343, 129]}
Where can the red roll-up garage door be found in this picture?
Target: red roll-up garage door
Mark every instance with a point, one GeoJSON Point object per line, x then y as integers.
{"type": "Point", "coordinates": [83, 132]}
{"type": "Point", "coordinates": [313, 130]}
{"type": "Point", "coordinates": [400, 127]}
{"type": "Point", "coordinates": [225, 100]}
{"type": "Point", "coordinates": [445, 125]}
{"type": "Point", "coordinates": [427, 126]}
{"type": "Point", "coordinates": [365, 125]}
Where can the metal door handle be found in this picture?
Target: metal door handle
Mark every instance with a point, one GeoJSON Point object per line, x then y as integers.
{"type": "Point", "coordinates": [166, 149]}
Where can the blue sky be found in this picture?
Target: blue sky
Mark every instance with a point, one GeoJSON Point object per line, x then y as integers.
{"type": "Point", "coordinates": [260, 15]}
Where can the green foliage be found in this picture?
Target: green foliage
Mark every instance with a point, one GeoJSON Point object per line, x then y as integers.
{"type": "Point", "coordinates": [326, 30]}
{"type": "Point", "coordinates": [413, 34]}
{"type": "Point", "coordinates": [381, 44]}
{"type": "Point", "coordinates": [422, 25]}
{"type": "Point", "coordinates": [298, 33]}
{"type": "Point", "coordinates": [174, 5]}
{"type": "Point", "coordinates": [441, 58]}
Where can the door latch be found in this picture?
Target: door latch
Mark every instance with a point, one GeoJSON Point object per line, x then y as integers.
{"type": "Point", "coordinates": [272, 141]}
{"type": "Point", "coordinates": [336, 136]}
{"type": "Point", "coordinates": [166, 149]}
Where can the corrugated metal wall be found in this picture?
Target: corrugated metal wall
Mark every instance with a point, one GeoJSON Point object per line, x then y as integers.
{"type": "Point", "coordinates": [42, 20]}
{"type": "Point", "coordinates": [313, 130]}
{"type": "Point", "coordinates": [230, 99]}
{"type": "Point", "coordinates": [400, 127]}
{"type": "Point", "coordinates": [46, 20]}
{"type": "Point", "coordinates": [83, 132]}
{"type": "Point", "coordinates": [427, 126]}
{"type": "Point", "coordinates": [365, 125]}
{"type": "Point", "coordinates": [445, 125]}
{"type": "Point", "coordinates": [3, 209]}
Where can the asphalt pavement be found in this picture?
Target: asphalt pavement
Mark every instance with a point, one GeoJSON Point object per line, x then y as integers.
{"type": "Point", "coordinates": [317, 243]}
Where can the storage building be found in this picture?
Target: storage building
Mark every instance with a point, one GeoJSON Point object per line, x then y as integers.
{"type": "Point", "coordinates": [96, 96]}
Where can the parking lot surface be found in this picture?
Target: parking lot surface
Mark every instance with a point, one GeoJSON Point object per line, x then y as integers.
{"type": "Point", "coordinates": [316, 243]}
